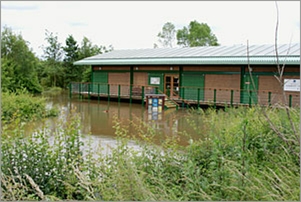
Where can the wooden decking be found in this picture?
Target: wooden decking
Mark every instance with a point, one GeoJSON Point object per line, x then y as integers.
{"type": "Point", "coordinates": [190, 96]}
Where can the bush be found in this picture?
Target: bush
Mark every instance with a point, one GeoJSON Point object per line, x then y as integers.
{"type": "Point", "coordinates": [238, 157]}
{"type": "Point", "coordinates": [24, 106]}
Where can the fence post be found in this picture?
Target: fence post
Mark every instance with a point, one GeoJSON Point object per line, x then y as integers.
{"type": "Point", "coordinates": [214, 97]}
{"type": "Point", "coordinates": [119, 93]}
{"type": "Point", "coordinates": [183, 97]}
{"type": "Point", "coordinates": [142, 95]}
{"type": "Point", "coordinates": [199, 91]}
{"type": "Point", "coordinates": [89, 91]}
{"type": "Point", "coordinates": [231, 102]}
{"type": "Point", "coordinates": [108, 92]}
{"type": "Point", "coordinates": [290, 98]}
{"type": "Point", "coordinates": [131, 89]}
{"type": "Point", "coordinates": [98, 91]}
{"type": "Point", "coordinates": [250, 99]}
{"type": "Point", "coordinates": [269, 98]}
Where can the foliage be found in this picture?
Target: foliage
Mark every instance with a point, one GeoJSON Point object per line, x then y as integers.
{"type": "Point", "coordinates": [72, 73]}
{"type": "Point", "coordinates": [239, 160]}
{"type": "Point", "coordinates": [167, 36]}
{"type": "Point", "coordinates": [53, 56]}
{"type": "Point", "coordinates": [20, 68]}
{"type": "Point", "coordinates": [197, 34]}
{"type": "Point", "coordinates": [18, 63]}
{"type": "Point", "coordinates": [24, 106]}
{"type": "Point", "coordinates": [87, 49]}
{"type": "Point", "coordinates": [34, 168]}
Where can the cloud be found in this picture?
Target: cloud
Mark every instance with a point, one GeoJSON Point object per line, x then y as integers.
{"type": "Point", "coordinates": [19, 7]}
{"type": "Point", "coordinates": [78, 24]}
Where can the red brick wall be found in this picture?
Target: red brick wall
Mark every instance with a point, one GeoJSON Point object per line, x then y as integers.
{"type": "Point", "coordinates": [271, 84]}
{"type": "Point", "coordinates": [119, 78]}
{"type": "Point", "coordinates": [223, 85]}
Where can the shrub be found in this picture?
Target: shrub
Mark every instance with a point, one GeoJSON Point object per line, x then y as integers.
{"type": "Point", "coordinates": [24, 106]}
{"type": "Point", "coordinates": [238, 157]}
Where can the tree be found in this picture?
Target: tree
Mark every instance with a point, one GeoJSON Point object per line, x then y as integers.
{"type": "Point", "coordinates": [71, 72]}
{"type": "Point", "coordinates": [18, 63]}
{"type": "Point", "coordinates": [53, 54]}
{"type": "Point", "coordinates": [71, 50]}
{"type": "Point", "coordinates": [167, 36]}
{"type": "Point", "coordinates": [197, 34]}
{"type": "Point", "coordinates": [87, 49]}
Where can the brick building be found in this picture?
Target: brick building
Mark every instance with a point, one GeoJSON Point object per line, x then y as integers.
{"type": "Point", "coordinates": [198, 75]}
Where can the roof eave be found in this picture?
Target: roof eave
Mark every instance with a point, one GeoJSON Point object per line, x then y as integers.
{"type": "Point", "coordinates": [194, 61]}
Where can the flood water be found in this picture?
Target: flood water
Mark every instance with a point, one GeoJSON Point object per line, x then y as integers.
{"type": "Point", "coordinates": [98, 119]}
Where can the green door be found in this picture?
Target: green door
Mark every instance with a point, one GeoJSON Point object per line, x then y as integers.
{"type": "Point", "coordinates": [191, 85]}
{"type": "Point", "coordinates": [249, 90]}
{"type": "Point", "coordinates": [100, 82]}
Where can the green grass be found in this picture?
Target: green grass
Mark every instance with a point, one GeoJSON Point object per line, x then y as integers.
{"type": "Point", "coordinates": [238, 157]}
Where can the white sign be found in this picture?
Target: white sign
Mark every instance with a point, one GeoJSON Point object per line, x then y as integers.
{"type": "Point", "coordinates": [292, 84]}
{"type": "Point", "coordinates": [155, 80]}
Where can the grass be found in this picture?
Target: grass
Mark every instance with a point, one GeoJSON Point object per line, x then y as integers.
{"type": "Point", "coordinates": [238, 157]}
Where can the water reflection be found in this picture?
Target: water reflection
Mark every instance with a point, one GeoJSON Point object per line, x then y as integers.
{"type": "Point", "coordinates": [97, 119]}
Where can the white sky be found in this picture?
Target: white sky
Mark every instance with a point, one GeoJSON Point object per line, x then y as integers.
{"type": "Point", "coordinates": [135, 24]}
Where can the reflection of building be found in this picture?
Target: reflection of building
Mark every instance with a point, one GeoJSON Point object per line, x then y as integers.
{"type": "Point", "coordinates": [197, 75]}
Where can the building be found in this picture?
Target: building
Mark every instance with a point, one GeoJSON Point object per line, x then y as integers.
{"type": "Point", "coordinates": [218, 75]}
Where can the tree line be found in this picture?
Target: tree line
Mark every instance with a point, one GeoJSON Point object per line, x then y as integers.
{"type": "Point", "coordinates": [195, 34]}
{"type": "Point", "coordinates": [22, 69]}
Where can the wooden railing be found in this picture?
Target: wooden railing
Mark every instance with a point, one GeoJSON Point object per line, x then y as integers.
{"type": "Point", "coordinates": [187, 95]}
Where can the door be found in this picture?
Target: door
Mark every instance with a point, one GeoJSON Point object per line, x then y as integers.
{"type": "Point", "coordinates": [171, 87]}
{"type": "Point", "coordinates": [193, 86]}
{"type": "Point", "coordinates": [249, 90]}
{"type": "Point", "coordinates": [99, 82]}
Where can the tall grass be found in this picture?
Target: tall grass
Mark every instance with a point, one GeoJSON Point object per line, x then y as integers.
{"type": "Point", "coordinates": [238, 157]}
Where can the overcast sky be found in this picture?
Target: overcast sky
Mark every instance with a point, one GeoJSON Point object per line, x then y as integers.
{"type": "Point", "coordinates": [135, 25]}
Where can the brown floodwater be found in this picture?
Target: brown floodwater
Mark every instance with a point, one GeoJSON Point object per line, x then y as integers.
{"type": "Point", "coordinates": [98, 119]}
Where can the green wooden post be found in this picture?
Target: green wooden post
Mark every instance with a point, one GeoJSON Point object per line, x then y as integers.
{"type": "Point", "coordinates": [98, 91]}
{"type": "Point", "coordinates": [131, 88]}
{"type": "Point", "coordinates": [142, 96]}
{"type": "Point", "coordinates": [269, 98]}
{"type": "Point", "coordinates": [89, 91]}
{"type": "Point", "coordinates": [290, 98]}
{"type": "Point", "coordinates": [183, 97]}
{"type": "Point", "coordinates": [108, 93]}
{"type": "Point", "coordinates": [119, 93]}
{"type": "Point", "coordinates": [250, 99]}
{"type": "Point", "coordinates": [214, 97]}
{"type": "Point", "coordinates": [199, 91]}
{"type": "Point", "coordinates": [232, 93]}
{"type": "Point", "coordinates": [156, 90]}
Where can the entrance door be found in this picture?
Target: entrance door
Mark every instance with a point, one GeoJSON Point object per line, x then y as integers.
{"type": "Point", "coordinates": [249, 89]}
{"type": "Point", "coordinates": [171, 87]}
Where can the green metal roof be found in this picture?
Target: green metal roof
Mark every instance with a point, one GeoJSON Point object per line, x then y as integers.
{"type": "Point", "coordinates": [208, 55]}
